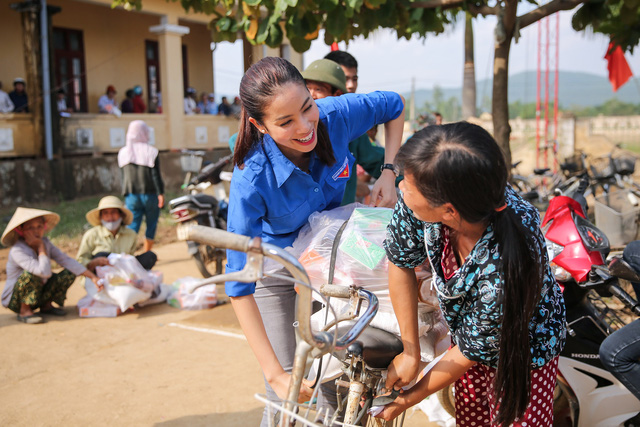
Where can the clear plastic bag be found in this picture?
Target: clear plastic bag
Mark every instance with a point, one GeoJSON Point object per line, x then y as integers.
{"type": "Point", "coordinates": [360, 260]}
{"type": "Point", "coordinates": [202, 298]}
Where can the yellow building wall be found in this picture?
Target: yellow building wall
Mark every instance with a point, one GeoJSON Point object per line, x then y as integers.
{"type": "Point", "coordinates": [114, 47]}
{"type": "Point", "coordinates": [11, 57]}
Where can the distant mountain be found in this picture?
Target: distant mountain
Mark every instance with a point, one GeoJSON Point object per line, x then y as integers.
{"type": "Point", "coordinates": [575, 89]}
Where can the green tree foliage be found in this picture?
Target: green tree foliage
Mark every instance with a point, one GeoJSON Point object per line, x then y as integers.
{"type": "Point", "coordinates": [612, 107]}
{"type": "Point", "coordinates": [618, 19]}
{"type": "Point", "coordinates": [450, 109]}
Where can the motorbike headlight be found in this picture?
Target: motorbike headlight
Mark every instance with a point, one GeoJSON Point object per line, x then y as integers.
{"type": "Point", "coordinates": [553, 249]}
{"type": "Point", "coordinates": [560, 273]}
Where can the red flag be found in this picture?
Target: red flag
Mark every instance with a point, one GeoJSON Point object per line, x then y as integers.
{"type": "Point", "coordinates": [334, 47]}
{"type": "Point", "coordinates": [619, 71]}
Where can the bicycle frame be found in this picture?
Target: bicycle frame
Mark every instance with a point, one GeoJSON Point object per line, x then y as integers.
{"type": "Point", "coordinates": [313, 343]}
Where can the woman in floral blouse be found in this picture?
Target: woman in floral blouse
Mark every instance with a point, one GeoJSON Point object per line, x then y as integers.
{"type": "Point", "coordinates": [490, 268]}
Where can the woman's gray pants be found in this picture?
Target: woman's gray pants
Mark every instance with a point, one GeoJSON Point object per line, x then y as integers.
{"type": "Point", "coordinates": [276, 301]}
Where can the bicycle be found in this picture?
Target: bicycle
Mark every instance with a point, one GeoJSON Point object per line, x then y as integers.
{"type": "Point", "coordinates": [364, 351]}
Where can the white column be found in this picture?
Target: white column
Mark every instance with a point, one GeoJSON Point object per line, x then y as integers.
{"type": "Point", "coordinates": [171, 79]}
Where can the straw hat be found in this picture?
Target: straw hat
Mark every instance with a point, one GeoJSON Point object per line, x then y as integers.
{"type": "Point", "coordinates": [22, 215]}
{"type": "Point", "coordinates": [109, 202]}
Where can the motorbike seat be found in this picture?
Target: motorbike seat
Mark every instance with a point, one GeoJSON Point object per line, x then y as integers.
{"type": "Point", "coordinates": [376, 346]}
{"type": "Point", "coordinates": [541, 171]}
{"type": "Point", "coordinates": [205, 200]}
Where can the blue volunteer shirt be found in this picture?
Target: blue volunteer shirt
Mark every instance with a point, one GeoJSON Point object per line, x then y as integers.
{"type": "Point", "coordinates": [272, 198]}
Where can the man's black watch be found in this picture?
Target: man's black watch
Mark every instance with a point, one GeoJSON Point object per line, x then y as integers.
{"type": "Point", "coordinates": [389, 166]}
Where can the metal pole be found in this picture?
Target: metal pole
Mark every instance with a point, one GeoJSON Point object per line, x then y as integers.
{"type": "Point", "coordinates": [538, 95]}
{"type": "Point", "coordinates": [546, 95]}
{"type": "Point", "coordinates": [555, 95]}
{"type": "Point", "coordinates": [46, 84]}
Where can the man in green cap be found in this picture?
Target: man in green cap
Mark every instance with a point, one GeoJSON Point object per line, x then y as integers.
{"type": "Point", "coordinates": [326, 78]}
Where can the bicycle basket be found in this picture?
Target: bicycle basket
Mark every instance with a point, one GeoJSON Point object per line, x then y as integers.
{"type": "Point", "coordinates": [625, 164]}
{"type": "Point", "coordinates": [303, 414]}
{"type": "Point", "coordinates": [602, 167]}
{"type": "Point", "coordinates": [573, 165]}
{"type": "Point", "coordinates": [190, 163]}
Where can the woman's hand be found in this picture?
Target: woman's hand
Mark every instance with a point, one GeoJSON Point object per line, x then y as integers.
{"type": "Point", "coordinates": [97, 262]}
{"type": "Point", "coordinates": [161, 201]}
{"type": "Point", "coordinates": [280, 384]}
{"type": "Point", "coordinates": [393, 409]}
{"type": "Point", "coordinates": [384, 190]}
{"type": "Point", "coordinates": [402, 370]}
{"type": "Point", "coordinates": [95, 279]}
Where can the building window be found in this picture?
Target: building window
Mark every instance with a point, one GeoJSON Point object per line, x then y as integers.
{"type": "Point", "coordinates": [69, 68]}
{"type": "Point", "coordinates": [153, 70]}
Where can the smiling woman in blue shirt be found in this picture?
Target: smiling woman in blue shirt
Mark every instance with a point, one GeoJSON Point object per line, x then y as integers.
{"type": "Point", "coordinates": [292, 159]}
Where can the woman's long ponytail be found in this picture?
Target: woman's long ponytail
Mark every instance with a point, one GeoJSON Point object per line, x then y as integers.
{"type": "Point", "coordinates": [523, 278]}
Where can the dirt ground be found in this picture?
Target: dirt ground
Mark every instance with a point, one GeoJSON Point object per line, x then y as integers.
{"type": "Point", "coordinates": [156, 366]}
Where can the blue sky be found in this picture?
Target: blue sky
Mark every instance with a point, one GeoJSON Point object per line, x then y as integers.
{"type": "Point", "coordinates": [387, 63]}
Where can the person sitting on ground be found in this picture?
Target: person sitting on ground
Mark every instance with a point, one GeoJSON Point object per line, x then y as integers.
{"type": "Point", "coordinates": [110, 235]}
{"type": "Point", "coordinates": [30, 283]}
{"type": "Point", "coordinates": [107, 102]}
{"type": "Point", "coordinates": [6, 105]}
{"type": "Point", "coordinates": [19, 96]}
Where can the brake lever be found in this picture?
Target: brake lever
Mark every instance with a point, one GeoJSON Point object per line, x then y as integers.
{"type": "Point", "coordinates": [251, 272]}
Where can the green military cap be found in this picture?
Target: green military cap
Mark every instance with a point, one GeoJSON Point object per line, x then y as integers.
{"type": "Point", "coordinates": [326, 71]}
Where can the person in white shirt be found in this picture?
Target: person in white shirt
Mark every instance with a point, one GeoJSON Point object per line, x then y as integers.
{"type": "Point", "coordinates": [107, 102]}
{"type": "Point", "coordinates": [190, 106]}
{"type": "Point", "coordinates": [6, 105]}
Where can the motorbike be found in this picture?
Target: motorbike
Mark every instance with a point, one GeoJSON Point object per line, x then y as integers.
{"type": "Point", "coordinates": [206, 210]}
{"type": "Point", "coordinates": [586, 393]}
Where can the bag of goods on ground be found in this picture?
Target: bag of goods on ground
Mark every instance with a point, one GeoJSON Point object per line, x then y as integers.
{"type": "Point", "coordinates": [126, 282]}
{"type": "Point", "coordinates": [202, 298]}
{"type": "Point", "coordinates": [89, 307]}
{"type": "Point", "coordinates": [361, 261]}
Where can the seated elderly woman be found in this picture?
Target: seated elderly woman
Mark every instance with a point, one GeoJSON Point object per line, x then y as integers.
{"type": "Point", "coordinates": [30, 283]}
{"type": "Point", "coordinates": [110, 235]}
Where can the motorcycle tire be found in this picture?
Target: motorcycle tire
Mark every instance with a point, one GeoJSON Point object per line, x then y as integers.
{"type": "Point", "coordinates": [208, 264]}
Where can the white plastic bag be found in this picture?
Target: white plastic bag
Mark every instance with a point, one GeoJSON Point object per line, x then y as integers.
{"type": "Point", "coordinates": [202, 298]}
{"type": "Point", "coordinates": [125, 282]}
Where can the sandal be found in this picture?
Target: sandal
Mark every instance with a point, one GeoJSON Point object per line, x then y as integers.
{"type": "Point", "coordinates": [31, 319]}
{"type": "Point", "coordinates": [54, 311]}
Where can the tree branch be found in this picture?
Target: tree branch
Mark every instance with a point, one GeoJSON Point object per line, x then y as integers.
{"type": "Point", "coordinates": [546, 10]}
{"type": "Point", "coordinates": [432, 4]}
{"type": "Point", "coordinates": [483, 10]}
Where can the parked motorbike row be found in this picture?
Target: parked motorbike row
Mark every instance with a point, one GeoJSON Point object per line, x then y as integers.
{"type": "Point", "coordinates": [586, 394]}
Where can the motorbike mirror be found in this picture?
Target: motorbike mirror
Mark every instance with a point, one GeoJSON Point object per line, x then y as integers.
{"type": "Point", "coordinates": [621, 269]}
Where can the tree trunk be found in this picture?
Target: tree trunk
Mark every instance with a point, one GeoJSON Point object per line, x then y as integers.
{"type": "Point", "coordinates": [500, 107]}
{"type": "Point", "coordinates": [469, 78]}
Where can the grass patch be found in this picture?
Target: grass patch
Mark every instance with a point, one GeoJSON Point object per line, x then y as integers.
{"type": "Point", "coordinates": [72, 217]}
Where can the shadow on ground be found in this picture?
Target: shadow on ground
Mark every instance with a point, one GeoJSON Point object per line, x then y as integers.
{"type": "Point", "coordinates": [231, 419]}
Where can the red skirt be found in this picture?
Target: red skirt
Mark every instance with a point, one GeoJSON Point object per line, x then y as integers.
{"type": "Point", "coordinates": [475, 406]}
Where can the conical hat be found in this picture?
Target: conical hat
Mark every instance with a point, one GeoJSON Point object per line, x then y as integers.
{"type": "Point", "coordinates": [22, 215]}
{"type": "Point", "coordinates": [93, 216]}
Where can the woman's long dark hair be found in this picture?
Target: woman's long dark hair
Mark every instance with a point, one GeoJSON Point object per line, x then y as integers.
{"type": "Point", "coordinates": [260, 84]}
{"type": "Point", "coordinates": [461, 164]}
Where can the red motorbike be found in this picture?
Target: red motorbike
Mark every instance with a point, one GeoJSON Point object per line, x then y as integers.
{"type": "Point", "coordinates": [587, 394]}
